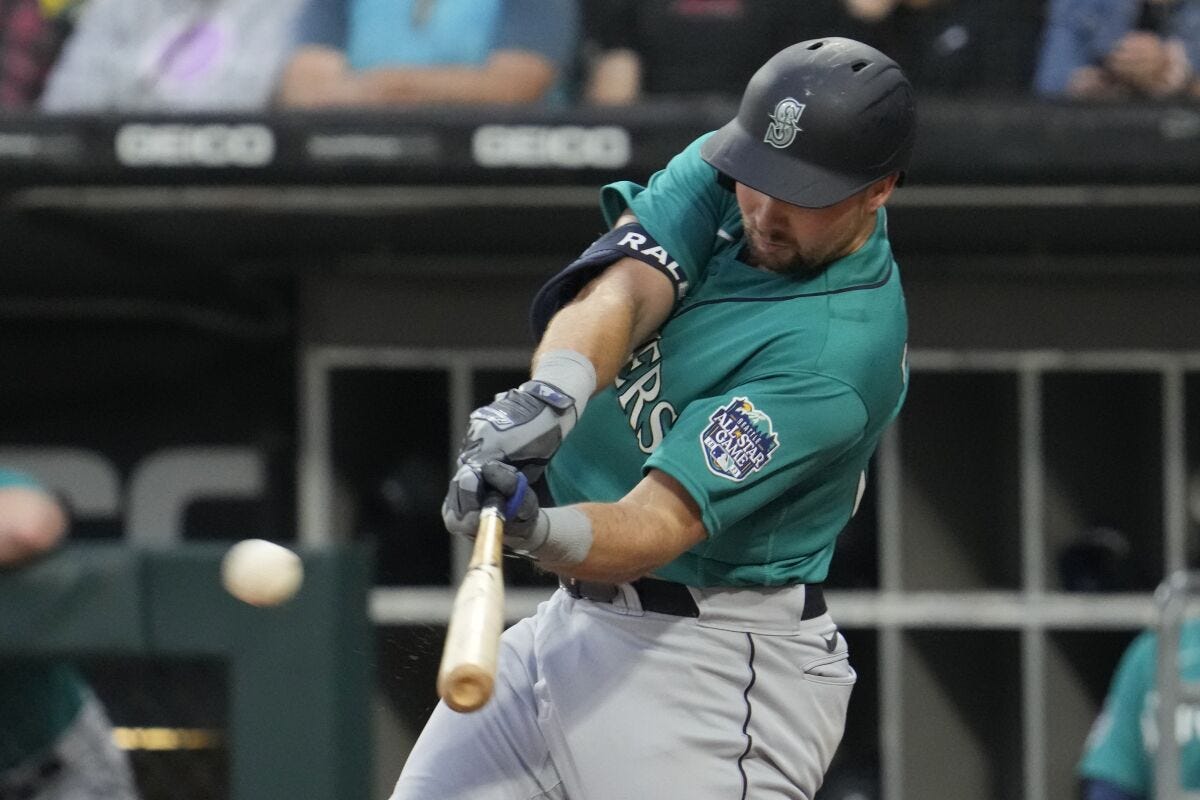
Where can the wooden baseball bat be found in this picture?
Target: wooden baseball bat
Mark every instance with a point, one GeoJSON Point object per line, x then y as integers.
{"type": "Point", "coordinates": [468, 669]}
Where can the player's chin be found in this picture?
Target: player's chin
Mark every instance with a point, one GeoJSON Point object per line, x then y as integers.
{"type": "Point", "coordinates": [786, 262]}
{"type": "Point", "coordinates": [773, 257]}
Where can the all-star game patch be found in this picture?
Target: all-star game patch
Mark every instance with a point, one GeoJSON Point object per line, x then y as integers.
{"type": "Point", "coordinates": [738, 441]}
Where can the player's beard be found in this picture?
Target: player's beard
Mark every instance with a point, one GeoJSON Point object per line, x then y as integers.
{"type": "Point", "coordinates": [783, 258]}
{"type": "Point", "coordinates": [790, 258]}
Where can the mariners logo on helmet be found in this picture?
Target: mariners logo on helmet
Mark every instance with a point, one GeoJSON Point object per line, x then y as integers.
{"type": "Point", "coordinates": [739, 441]}
{"type": "Point", "coordinates": [785, 123]}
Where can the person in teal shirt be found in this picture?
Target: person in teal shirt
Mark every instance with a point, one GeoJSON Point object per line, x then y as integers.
{"type": "Point", "coordinates": [380, 53]}
{"type": "Point", "coordinates": [712, 378]}
{"type": "Point", "coordinates": [55, 738]}
{"type": "Point", "coordinates": [1118, 757]}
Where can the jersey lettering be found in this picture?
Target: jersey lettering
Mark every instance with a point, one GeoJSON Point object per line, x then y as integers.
{"type": "Point", "coordinates": [657, 426]}
{"type": "Point", "coordinates": [632, 240]}
{"type": "Point", "coordinates": [1187, 723]}
{"type": "Point", "coordinates": [650, 351]}
{"type": "Point", "coordinates": [642, 392]}
{"type": "Point", "coordinates": [645, 388]}
{"type": "Point", "coordinates": [658, 254]}
{"type": "Point", "coordinates": [862, 489]}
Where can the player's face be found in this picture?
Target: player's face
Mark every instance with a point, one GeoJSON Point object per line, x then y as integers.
{"type": "Point", "coordinates": [782, 237]}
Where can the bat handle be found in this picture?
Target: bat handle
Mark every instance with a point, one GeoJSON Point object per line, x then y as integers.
{"type": "Point", "coordinates": [495, 502]}
{"type": "Point", "coordinates": [468, 669]}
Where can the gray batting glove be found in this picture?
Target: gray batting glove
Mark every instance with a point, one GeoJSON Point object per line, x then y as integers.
{"type": "Point", "coordinates": [523, 426]}
{"type": "Point", "coordinates": [460, 510]}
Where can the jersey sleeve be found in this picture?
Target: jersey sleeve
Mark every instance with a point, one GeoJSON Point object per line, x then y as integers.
{"type": "Point", "coordinates": [1115, 750]}
{"type": "Point", "coordinates": [739, 451]}
{"type": "Point", "coordinates": [682, 207]}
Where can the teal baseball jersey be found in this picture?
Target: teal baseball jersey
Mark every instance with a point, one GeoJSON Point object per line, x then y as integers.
{"type": "Point", "coordinates": [763, 395]}
{"type": "Point", "coordinates": [38, 699]}
{"type": "Point", "coordinates": [1120, 748]}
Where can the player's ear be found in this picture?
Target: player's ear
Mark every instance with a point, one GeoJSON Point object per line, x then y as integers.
{"type": "Point", "coordinates": [879, 191]}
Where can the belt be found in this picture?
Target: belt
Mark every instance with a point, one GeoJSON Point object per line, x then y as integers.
{"type": "Point", "coordinates": [664, 597]}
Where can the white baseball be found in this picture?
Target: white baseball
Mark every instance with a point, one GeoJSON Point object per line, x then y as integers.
{"type": "Point", "coordinates": [261, 573]}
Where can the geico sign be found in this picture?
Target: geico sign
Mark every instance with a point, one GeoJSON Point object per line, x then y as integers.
{"type": "Point", "coordinates": [142, 145]}
{"type": "Point", "coordinates": [569, 146]}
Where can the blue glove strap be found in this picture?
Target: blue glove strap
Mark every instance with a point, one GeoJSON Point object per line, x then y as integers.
{"type": "Point", "coordinates": [514, 501]}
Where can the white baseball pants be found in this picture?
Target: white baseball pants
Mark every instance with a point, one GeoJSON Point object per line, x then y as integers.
{"type": "Point", "coordinates": [598, 701]}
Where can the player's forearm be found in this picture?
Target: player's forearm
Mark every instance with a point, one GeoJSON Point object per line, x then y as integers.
{"type": "Point", "coordinates": [616, 311]}
{"type": "Point", "coordinates": [627, 543]}
{"type": "Point", "coordinates": [598, 327]}
{"type": "Point", "coordinates": [649, 527]}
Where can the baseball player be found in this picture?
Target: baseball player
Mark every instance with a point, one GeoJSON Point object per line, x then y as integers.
{"type": "Point", "coordinates": [55, 738]}
{"type": "Point", "coordinates": [1118, 759]}
{"type": "Point", "coordinates": [712, 377]}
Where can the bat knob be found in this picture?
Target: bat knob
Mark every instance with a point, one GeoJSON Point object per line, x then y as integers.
{"type": "Point", "coordinates": [466, 688]}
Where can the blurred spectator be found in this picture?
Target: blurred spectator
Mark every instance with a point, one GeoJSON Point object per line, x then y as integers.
{"type": "Point", "coordinates": [1119, 755]}
{"type": "Point", "coordinates": [31, 35]}
{"type": "Point", "coordinates": [408, 52]}
{"type": "Point", "coordinates": [173, 55]}
{"type": "Point", "coordinates": [638, 48]}
{"type": "Point", "coordinates": [1114, 49]}
{"type": "Point", "coordinates": [955, 47]}
{"type": "Point", "coordinates": [55, 739]}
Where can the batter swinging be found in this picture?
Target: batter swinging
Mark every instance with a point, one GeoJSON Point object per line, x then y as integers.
{"type": "Point", "coordinates": [745, 323]}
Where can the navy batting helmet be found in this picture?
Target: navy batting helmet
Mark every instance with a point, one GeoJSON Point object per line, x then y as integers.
{"type": "Point", "coordinates": [820, 121]}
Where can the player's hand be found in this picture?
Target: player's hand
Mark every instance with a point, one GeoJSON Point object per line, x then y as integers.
{"type": "Point", "coordinates": [525, 530]}
{"type": "Point", "coordinates": [522, 427]}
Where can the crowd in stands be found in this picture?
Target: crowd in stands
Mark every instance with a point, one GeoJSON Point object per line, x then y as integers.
{"type": "Point", "coordinates": [91, 56]}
